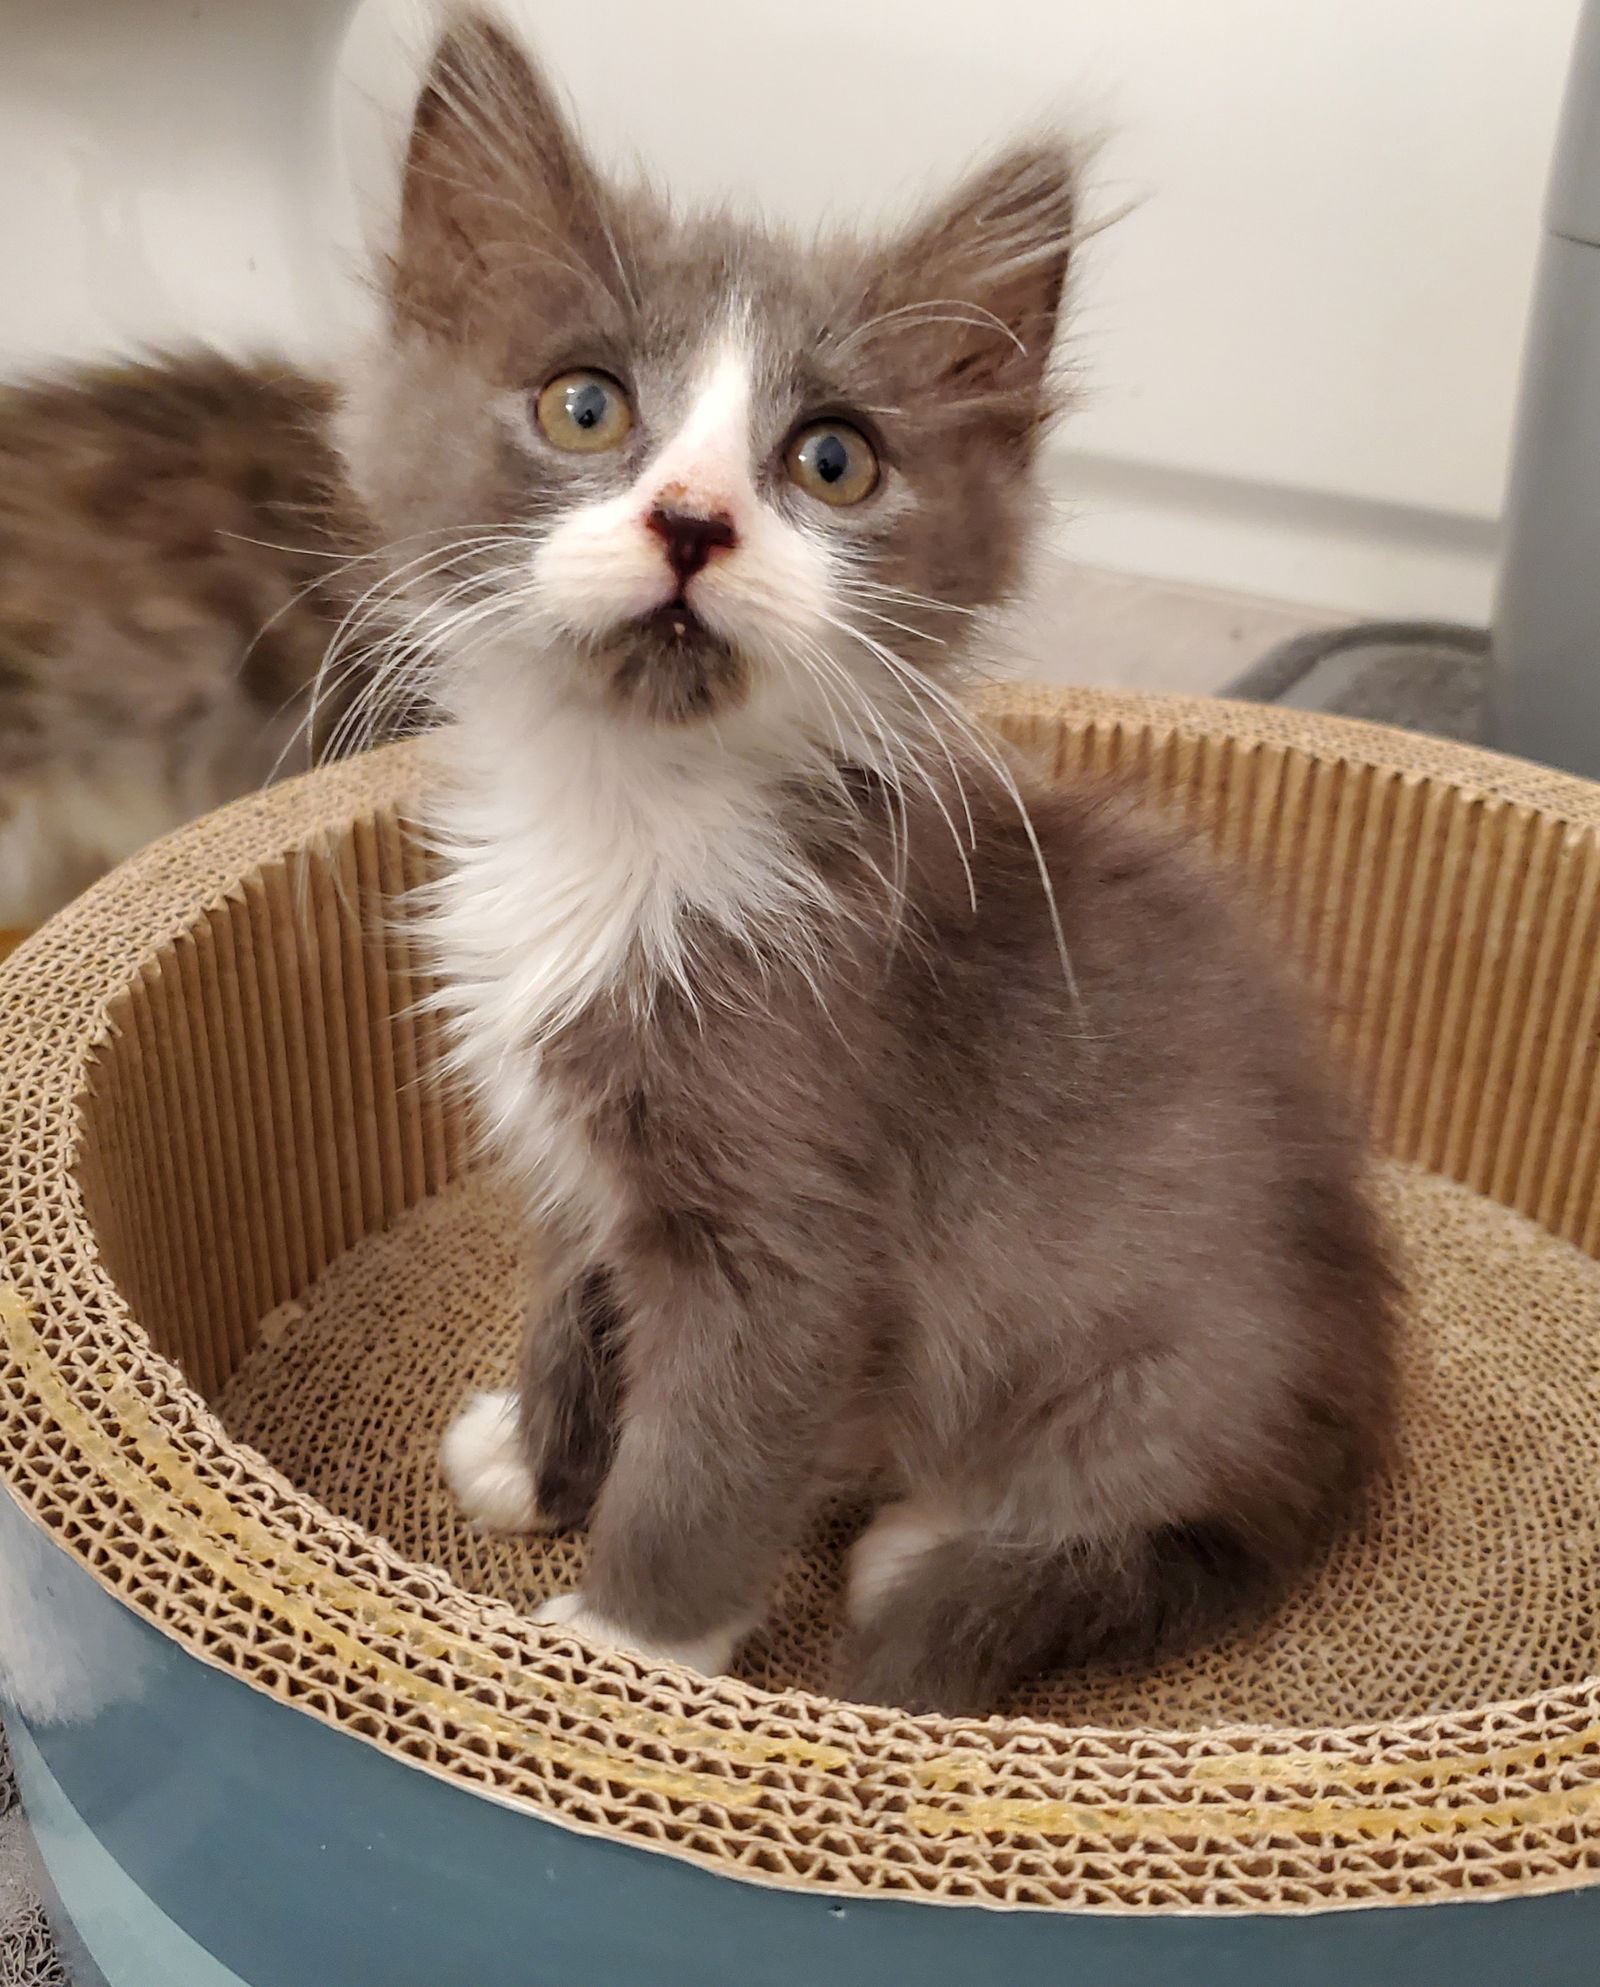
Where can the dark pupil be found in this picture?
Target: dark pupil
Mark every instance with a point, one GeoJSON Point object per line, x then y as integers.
{"type": "Point", "coordinates": [830, 458]}
{"type": "Point", "coordinates": [587, 404]}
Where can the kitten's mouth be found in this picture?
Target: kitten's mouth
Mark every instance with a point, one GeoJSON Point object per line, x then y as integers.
{"type": "Point", "coordinates": [676, 623]}
{"type": "Point", "coordinates": [672, 666]}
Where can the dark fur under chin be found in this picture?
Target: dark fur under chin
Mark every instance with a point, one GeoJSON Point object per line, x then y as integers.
{"type": "Point", "coordinates": [673, 669]}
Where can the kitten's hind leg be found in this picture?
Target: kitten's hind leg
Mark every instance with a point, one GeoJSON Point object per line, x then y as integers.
{"type": "Point", "coordinates": [951, 1623]}
{"type": "Point", "coordinates": [535, 1460]}
{"type": "Point", "coordinates": [571, 1398]}
{"type": "Point", "coordinates": [899, 1535]}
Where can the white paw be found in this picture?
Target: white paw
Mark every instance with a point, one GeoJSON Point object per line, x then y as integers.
{"type": "Point", "coordinates": [709, 1654]}
{"type": "Point", "coordinates": [886, 1552]}
{"type": "Point", "coordinates": [483, 1463]}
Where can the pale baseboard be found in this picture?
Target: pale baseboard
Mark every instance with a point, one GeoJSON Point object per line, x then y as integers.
{"type": "Point", "coordinates": [1352, 557]}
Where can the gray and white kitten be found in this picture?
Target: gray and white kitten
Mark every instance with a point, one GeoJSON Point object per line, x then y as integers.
{"type": "Point", "coordinates": [887, 1119]}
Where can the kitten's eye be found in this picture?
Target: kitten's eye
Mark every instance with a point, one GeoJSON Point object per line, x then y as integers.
{"type": "Point", "coordinates": [833, 461]}
{"type": "Point", "coordinates": [584, 412]}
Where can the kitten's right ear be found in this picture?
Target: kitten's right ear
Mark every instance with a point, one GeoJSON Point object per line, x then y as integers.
{"type": "Point", "coordinates": [496, 183]}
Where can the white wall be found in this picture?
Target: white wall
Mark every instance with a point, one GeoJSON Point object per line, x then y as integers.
{"type": "Point", "coordinates": [164, 172]}
{"type": "Point", "coordinates": [1298, 351]}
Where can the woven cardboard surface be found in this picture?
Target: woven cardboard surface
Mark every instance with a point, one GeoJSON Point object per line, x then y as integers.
{"type": "Point", "coordinates": [215, 1104]}
{"type": "Point", "coordinates": [1463, 1578]}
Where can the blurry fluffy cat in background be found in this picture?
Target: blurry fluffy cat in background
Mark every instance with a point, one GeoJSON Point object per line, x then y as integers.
{"type": "Point", "coordinates": [889, 1122]}
{"type": "Point", "coordinates": [174, 562]}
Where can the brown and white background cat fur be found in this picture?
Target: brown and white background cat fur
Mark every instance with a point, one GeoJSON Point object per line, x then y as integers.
{"type": "Point", "coordinates": [887, 1120]}
{"type": "Point", "coordinates": [173, 566]}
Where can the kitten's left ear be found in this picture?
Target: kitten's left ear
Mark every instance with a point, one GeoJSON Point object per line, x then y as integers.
{"type": "Point", "coordinates": [972, 293]}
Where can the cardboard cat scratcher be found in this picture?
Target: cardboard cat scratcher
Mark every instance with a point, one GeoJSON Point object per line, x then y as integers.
{"type": "Point", "coordinates": [282, 1718]}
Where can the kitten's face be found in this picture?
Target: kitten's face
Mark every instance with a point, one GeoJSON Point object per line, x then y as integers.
{"type": "Point", "coordinates": [688, 467]}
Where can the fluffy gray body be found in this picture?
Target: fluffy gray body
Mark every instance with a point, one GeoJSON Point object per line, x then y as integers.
{"type": "Point", "coordinates": [887, 1120]}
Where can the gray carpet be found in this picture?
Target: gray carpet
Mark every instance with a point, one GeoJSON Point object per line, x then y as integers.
{"type": "Point", "coordinates": [1420, 675]}
{"type": "Point", "coordinates": [27, 1957]}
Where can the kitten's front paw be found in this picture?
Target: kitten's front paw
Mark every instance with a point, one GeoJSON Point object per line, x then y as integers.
{"type": "Point", "coordinates": [709, 1654]}
{"type": "Point", "coordinates": [483, 1463]}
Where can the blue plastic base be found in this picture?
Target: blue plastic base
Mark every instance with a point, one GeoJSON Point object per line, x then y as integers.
{"type": "Point", "coordinates": [198, 1833]}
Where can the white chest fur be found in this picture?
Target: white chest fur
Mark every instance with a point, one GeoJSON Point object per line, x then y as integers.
{"type": "Point", "coordinates": [575, 846]}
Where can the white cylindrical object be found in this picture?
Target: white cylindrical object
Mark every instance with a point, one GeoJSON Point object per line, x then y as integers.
{"type": "Point", "coordinates": [1546, 689]}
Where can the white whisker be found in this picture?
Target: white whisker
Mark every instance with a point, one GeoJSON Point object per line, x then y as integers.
{"type": "Point", "coordinates": [936, 310]}
{"type": "Point", "coordinates": [920, 688]}
{"type": "Point", "coordinates": [346, 656]}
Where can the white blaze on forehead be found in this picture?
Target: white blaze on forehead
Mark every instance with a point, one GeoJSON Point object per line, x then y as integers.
{"type": "Point", "coordinates": [704, 466]}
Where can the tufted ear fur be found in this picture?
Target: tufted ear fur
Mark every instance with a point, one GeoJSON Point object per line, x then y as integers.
{"type": "Point", "coordinates": [971, 293]}
{"type": "Point", "coordinates": [496, 182]}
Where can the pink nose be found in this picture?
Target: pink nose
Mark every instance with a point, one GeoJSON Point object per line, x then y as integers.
{"type": "Point", "coordinates": [690, 541]}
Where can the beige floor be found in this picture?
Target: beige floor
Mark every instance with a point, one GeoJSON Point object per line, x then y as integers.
{"type": "Point", "coordinates": [1085, 625]}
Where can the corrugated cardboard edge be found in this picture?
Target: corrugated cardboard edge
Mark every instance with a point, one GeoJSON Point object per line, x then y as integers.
{"type": "Point", "coordinates": [60, 992]}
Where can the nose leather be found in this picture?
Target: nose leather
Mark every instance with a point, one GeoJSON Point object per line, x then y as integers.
{"type": "Point", "coordinates": [690, 541]}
